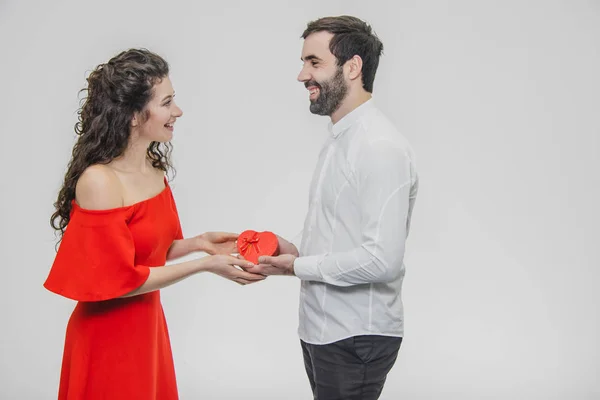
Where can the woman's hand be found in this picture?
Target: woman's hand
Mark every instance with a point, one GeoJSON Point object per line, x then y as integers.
{"type": "Point", "coordinates": [217, 242]}
{"type": "Point", "coordinates": [227, 267]}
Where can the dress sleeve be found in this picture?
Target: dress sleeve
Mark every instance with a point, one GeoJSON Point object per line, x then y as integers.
{"type": "Point", "coordinates": [96, 257]}
{"type": "Point", "coordinates": [179, 234]}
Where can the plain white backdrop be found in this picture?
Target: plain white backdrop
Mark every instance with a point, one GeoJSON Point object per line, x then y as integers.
{"type": "Point", "coordinates": [500, 101]}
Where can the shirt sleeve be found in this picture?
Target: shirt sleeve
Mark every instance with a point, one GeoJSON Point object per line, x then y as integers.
{"type": "Point", "coordinates": [96, 257]}
{"type": "Point", "coordinates": [383, 175]}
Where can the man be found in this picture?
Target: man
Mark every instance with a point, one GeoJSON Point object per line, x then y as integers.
{"type": "Point", "coordinates": [361, 200]}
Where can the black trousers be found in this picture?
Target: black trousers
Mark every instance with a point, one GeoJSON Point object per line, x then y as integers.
{"type": "Point", "coordinates": [351, 369]}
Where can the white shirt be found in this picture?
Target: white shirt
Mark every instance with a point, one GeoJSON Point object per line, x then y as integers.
{"type": "Point", "coordinates": [351, 255]}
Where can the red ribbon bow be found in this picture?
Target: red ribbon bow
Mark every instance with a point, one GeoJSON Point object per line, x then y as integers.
{"type": "Point", "coordinates": [247, 242]}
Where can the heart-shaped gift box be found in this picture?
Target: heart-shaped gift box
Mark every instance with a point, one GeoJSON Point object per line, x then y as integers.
{"type": "Point", "coordinates": [252, 244]}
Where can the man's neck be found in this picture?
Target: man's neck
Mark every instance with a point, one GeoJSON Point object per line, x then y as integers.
{"type": "Point", "coordinates": [350, 103]}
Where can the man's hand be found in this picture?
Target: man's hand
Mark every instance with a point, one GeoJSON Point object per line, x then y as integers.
{"type": "Point", "coordinates": [286, 247]}
{"type": "Point", "coordinates": [279, 265]}
{"type": "Point", "coordinates": [215, 243]}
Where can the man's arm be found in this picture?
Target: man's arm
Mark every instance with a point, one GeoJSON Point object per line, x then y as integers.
{"type": "Point", "coordinates": [384, 185]}
{"type": "Point", "coordinates": [286, 247]}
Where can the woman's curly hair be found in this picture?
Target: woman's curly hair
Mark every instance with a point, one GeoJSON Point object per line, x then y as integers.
{"type": "Point", "coordinates": [115, 91]}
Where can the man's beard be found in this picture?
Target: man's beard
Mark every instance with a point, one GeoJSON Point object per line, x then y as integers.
{"type": "Point", "coordinates": [331, 94]}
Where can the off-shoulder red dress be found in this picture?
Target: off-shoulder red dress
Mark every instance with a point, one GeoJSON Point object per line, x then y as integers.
{"type": "Point", "coordinates": [116, 348]}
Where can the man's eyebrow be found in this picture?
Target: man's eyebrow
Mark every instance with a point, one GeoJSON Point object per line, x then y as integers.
{"type": "Point", "coordinates": [310, 57]}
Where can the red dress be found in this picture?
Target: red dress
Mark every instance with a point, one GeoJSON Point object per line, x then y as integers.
{"type": "Point", "coordinates": [116, 348]}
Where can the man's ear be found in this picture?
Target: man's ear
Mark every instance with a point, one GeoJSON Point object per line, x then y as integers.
{"type": "Point", "coordinates": [355, 67]}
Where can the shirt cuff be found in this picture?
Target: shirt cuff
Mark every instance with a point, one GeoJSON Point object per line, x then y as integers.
{"type": "Point", "coordinates": [306, 268]}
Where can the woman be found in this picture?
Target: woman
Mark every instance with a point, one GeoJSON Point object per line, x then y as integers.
{"type": "Point", "coordinates": [119, 226]}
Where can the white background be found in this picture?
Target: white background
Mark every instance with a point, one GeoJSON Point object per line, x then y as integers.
{"type": "Point", "coordinates": [500, 101]}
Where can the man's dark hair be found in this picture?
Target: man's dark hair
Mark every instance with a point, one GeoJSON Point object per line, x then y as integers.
{"type": "Point", "coordinates": [351, 36]}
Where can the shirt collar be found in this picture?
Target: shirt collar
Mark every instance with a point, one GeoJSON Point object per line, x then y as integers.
{"type": "Point", "coordinates": [351, 118]}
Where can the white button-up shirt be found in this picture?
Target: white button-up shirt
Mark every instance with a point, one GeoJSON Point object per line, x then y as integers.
{"type": "Point", "coordinates": [352, 249]}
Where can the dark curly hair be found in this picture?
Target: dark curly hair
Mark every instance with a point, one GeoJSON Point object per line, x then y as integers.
{"type": "Point", "coordinates": [115, 91]}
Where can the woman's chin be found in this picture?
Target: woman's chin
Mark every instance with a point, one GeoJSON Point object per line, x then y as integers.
{"type": "Point", "coordinates": [163, 138]}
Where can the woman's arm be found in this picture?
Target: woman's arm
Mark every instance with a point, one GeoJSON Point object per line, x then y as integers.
{"type": "Point", "coordinates": [210, 242]}
{"type": "Point", "coordinates": [98, 188]}
{"type": "Point", "coordinates": [221, 265]}
{"type": "Point", "coordinates": [183, 247]}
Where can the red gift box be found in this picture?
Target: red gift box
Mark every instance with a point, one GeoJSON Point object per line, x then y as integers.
{"type": "Point", "coordinates": [252, 244]}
